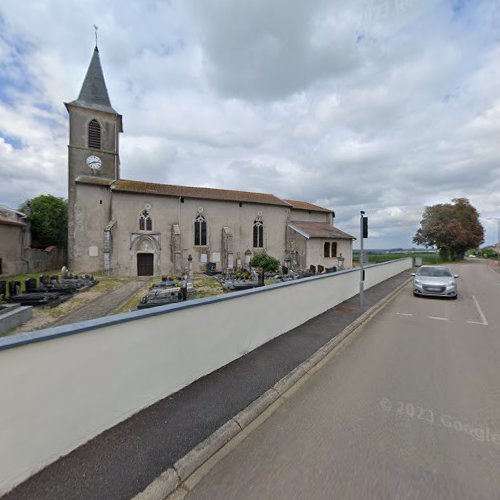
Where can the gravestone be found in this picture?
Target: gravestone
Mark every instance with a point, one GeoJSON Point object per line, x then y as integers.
{"type": "Point", "coordinates": [30, 284]}
{"type": "Point", "coordinates": [14, 288]}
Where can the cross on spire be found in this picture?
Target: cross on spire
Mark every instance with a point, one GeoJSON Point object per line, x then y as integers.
{"type": "Point", "coordinates": [95, 29]}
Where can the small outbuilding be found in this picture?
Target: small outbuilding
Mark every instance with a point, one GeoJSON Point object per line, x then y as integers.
{"type": "Point", "coordinates": [14, 238]}
{"type": "Point", "coordinates": [320, 244]}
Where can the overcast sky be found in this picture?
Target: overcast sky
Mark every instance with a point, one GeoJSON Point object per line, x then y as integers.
{"type": "Point", "coordinates": [378, 105]}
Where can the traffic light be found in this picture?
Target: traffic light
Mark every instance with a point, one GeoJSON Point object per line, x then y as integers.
{"type": "Point", "coordinates": [365, 227]}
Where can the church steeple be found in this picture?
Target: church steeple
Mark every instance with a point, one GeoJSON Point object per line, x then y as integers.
{"type": "Point", "coordinates": [94, 93]}
{"type": "Point", "coordinates": [93, 150]}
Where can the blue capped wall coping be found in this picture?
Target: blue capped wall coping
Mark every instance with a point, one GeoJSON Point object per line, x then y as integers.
{"type": "Point", "coordinates": [55, 332]}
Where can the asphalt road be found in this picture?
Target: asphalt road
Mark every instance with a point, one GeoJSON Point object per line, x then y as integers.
{"type": "Point", "coordinates": [409, 409]}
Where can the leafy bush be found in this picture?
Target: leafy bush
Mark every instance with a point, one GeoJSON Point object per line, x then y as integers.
{"type": "Point", "coordinates": [266, 264]}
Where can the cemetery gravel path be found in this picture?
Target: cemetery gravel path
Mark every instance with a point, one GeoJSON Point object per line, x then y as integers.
{"type": "Point", "coordinates": [102, 305]}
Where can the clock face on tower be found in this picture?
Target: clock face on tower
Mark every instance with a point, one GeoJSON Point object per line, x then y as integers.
{"type": "Point", "coordinates": [94, 163]}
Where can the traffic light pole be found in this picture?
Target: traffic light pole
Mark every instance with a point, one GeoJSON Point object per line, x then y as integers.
{"type": "Point", "coordinates": [361, 259]}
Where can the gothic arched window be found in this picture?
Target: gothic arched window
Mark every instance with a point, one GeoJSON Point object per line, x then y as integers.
{"type": "Point", "coordinates": [326, 249]}
{"type": "Point", "coordinates": [334, 249]}
{"type": "Point", "coordinates": [145, 221]}
{"type": "Point", "coordinates": [258, 233]}
{"type": "Point", "coordinates": [200, 230]}
{"type": "Point", "coordinates": [94, 136]}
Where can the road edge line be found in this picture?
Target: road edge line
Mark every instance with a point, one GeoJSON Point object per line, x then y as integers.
{"type": "Point", "coordinates": [175, 477]}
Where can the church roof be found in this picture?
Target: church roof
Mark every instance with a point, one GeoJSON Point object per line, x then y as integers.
{"type": "Point", "coordinates": [319, 230]}
{"type": "Point", "coordinates": [94, 93]}
{"type": "Point", "coordinates": [197, 192]}
{"type": "Point", "coordinates": [129, 186]}
{"type": "Point", "coordinates": [303, 205]}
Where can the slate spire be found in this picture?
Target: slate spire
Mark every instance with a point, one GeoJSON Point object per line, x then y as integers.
{"type": "Point", "coordinates": [94, 93]}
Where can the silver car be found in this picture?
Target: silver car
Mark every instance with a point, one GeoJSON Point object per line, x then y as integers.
{"type": "Point", "coordinates": [436, 281]}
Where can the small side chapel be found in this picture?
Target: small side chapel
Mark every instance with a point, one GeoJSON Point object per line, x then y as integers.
{"type": "Point", "coordinates": [135, 228]}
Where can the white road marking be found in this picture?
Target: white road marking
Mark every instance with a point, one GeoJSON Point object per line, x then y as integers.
{"type": "Point", "coordinates": [404, 314]}
{"type": "Point", "coordinates": [481, 315]}
{"type": "Point", "coordinates": [438, 318]}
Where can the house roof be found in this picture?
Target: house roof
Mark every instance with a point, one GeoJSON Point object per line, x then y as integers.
{"type": "Point", "coordinates": [319, 230]}
{"type": "Point", "coordinates": [196, 192]}
{"type": "Point", "coordinates": [7, 212]}
{"type": "Point", "coordinates": [303, 205]}
{"type": "Point", "coordinates": [94, 93]}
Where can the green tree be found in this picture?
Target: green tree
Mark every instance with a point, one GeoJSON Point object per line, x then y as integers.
{"type": "Point", "coordinates": [49, 220]}
{"type": "Point", "coordinates": [266, 264]}
{"type": "Point", "coordinates": [453, 228]}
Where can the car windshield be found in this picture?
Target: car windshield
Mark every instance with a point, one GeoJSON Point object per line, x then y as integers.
{"type": "Point", "coordinates": [434, 271]}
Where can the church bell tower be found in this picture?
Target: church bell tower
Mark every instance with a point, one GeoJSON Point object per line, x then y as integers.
{"type": "Point", "coordinates": [93, 150]}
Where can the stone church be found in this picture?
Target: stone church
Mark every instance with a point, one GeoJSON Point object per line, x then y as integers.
{"type": "Point", "coordinates": [135, 228]}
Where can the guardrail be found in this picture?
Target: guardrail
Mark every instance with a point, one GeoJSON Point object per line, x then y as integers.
{"type": "Point", "coordinates": [62, 386]}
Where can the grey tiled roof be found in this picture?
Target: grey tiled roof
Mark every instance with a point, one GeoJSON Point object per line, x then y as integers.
{"type": "Point", "coordinates": [319, 230]}
{"type": "Point", "coordinates": [304, 205]}
{"type": "Point", "coordinates": [94, 93]}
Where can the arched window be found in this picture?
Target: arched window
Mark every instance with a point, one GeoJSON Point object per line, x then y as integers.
{"type": "Point", "coordinates": [145, 221]}
{"type": "Point", "coordinates": [200, 230]}
{"type": "Point", "coordinates": [94, 137]}
{"type": "Point", "coordinates": [334, 249]}
{"type": "Point", "coordinates": [326, 249]}
{"type": "Point", "coordinates": [258, 233]}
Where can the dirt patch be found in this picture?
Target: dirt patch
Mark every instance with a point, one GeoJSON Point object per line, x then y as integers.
{"type": "Point", "coordinates": [206, 286]}
{"type": "Point", "coordinates": [344, 309]}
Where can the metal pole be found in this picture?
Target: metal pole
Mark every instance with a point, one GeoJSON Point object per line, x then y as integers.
{"type": "Point", "coordinates": [498, 242]}
{"type": "Point", "coordinates": [361, 258]}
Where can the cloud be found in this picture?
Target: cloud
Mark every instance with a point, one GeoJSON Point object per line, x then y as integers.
{"type": "Point", "coordinates": [266, 50]}
{"type": "Point", "coordinates": [380, 106]}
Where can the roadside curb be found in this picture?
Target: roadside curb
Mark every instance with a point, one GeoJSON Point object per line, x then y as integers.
{"type": "Point", "coordinates": [174, 478]}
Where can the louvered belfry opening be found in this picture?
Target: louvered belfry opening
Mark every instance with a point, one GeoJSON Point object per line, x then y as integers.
{"type": "Point", "coordinates": [94, 134]}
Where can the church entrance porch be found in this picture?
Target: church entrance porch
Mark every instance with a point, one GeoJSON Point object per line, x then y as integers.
{"type": "Point", "coordinates": [145, 253]}
{"type": "Point", "coordinates": [145, 264]}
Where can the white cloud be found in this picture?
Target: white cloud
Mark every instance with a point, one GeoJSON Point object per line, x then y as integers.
{"type": "Point", "coordinates": [384, 106]}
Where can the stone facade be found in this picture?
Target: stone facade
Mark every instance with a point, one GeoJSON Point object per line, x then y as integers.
{"type": "Point", "coordinates": [131, 228]}
{"type": "Point", "coordinates": [14, 239]}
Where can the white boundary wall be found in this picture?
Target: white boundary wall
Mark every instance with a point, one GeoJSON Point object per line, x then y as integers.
{"type": "Point", "coordinates": [61, 387]}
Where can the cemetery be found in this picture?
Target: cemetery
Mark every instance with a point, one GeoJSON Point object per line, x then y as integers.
{"type": "Point", "coordinates": [170, 290]}
{"type": "Point", "coordinates": [167, 291]}
{"type": "Point", "coordinates": [47, 291]}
